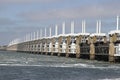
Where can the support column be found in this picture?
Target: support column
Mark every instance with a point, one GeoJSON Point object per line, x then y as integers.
{"type": "Point", "coordinates": [92, 50]}
{"type": "Point", "coordinates": [37, 46]}
{"type": "Point", "coordinates": [24, 47]}
{"type": "Point", "coordinates": [40, 47]}
{"type": "Point", "coordinates": [78, 46]}
{"type": "Point", "coordinates": [35, 43]}
{"type": "Point", "coordinates": [46, 49]}
{"type": "Point", "coordinates": [59, 43]}
{"type": "Point", "coordinates": [28, 47]}
{"type": "Point", "coordinates": [67, 48]}
{"type": "Point", "coordinates": [46, 53]}
{"type": "Point", "coordinates": [111, 50]}
{"type": "Point", "coordinates": [32, 47]}
{"type": "Point", "coordinates": [53, 43]}
{"type": "Point", "coordinates": [42, 41]}
{"type": "Point", "coordinates": [114, 37]}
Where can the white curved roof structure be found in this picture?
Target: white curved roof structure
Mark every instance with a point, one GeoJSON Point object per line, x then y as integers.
{"type": "Point", "coordinates": [98, 34]}
{"type": "Point", "coordinates": [114, 31]}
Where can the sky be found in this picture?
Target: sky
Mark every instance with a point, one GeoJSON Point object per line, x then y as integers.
{"type": "Point", "coordinates": [21, 17]}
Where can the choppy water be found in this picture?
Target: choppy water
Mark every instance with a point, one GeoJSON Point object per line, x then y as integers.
{"type": "Point", "coordinates": [25, 66]}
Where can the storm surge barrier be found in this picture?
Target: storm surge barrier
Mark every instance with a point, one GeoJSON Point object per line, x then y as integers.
{"type": "Point", "coordinates": [94, 46]}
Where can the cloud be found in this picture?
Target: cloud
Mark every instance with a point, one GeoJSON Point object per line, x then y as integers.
{"type": "Point", "coordinates": [25, 1]}
{"type": "Point", "coordinates": [6, 21]}
{"type": "Point", "coordinates": [48, 14]}
{"type": "Point", "coordinates": [93, 11]}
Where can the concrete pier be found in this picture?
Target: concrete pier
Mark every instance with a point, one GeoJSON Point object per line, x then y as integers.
{"type": "Point", "coordinates": [95, 46]}
{"type": "Point", "coordinates": [68, 47]}
{"type": "Point", "coordinates": [78, 40]}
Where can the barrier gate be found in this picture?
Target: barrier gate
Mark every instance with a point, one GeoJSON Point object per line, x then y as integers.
{"type": "Point", "coordinates": [101, 48]}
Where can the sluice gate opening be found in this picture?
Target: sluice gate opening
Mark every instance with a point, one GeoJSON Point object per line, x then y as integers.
{"type": "Point", "coordinates": [72, 47]}
{"type": "Point", "coordinates": [84, 50]}
{"type": "Point", "coordinates": [62, 46]}
{"type": "Point", "coordinates": [101, 51]}
{"type": "Point", "coordinates": [117, 51]}
{"type": "Point", "coordinates": [84, 46]}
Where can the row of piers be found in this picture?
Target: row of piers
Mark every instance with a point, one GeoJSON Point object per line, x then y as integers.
{"type": "Point", "coordinates": [74, 45]}
{"type": "Point", "coordinates": [95, 46]}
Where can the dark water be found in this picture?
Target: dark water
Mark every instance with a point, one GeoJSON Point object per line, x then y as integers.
{"type": "Point", "coordinates": [24, 66]}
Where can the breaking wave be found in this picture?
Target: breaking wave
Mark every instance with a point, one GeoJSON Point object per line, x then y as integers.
{"type": "Point", "coordinates": [77, 65]}
{"type": "Point", "coordinates": [110, 79]}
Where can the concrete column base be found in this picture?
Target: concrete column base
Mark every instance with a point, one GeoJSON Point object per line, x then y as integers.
{"type": "Point", "coordinates": [111, 59]}
{"type": "Point", "coordinates": [52, 54]}
{"type": "Point", "coordinates": [67, 55]}
{"type": "Point", "coordinates": [41, 53]}
{"type": "Point", "coordinates": [46, 53]}
{"type": "Point", "coordinates": [58, 55]}
{"type": "Point", "coordinates": [92, 56]}
{"type": "Point", "coordinates": [78, 55]}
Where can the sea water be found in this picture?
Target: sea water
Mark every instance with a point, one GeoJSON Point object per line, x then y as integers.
{"type": "Point", "coordinates": [27, 66]}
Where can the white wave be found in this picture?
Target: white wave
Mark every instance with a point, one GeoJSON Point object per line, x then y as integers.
{"type": "Point", "coordinates": [110, 79]}
{"type": "Point", "coordinates": [77, 65]}
{"type": "Point", "coordinates": [94, 66]}
{"type": "Point", "coordinates": [13, 60]}
{"type": "Point", "coordinates": [18, 65]}
{"type": "Point", "coordinates": [84, 65]}
{"type": "Point", "coordinates": [3, 64]}
{"type": "Point", "coordinates": [113, 66]}
{"type": "Point", "coordinates": [52, 65]}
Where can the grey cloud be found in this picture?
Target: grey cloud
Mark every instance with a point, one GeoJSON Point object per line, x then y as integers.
{"type": "Point", "coordinates": [78, 12]}
{"type": "Point", "coordinates": [6, 21]}
{"type": "Point", "coordinates": [105, 8]}
{"type": "Point", "coordinates": [25, 1]}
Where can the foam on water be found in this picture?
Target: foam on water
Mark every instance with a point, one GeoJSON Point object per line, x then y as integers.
{"type": "Point", "coordinates": [77, 65]}
{"type": "Point", "coordinates": [84, 65]}
{"type": "Point", "coordinates": [60, 68]}
{"type": "Point", "coordinates": [17, 59]}
{"type": "Point", "coordinates": [110, 79]}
